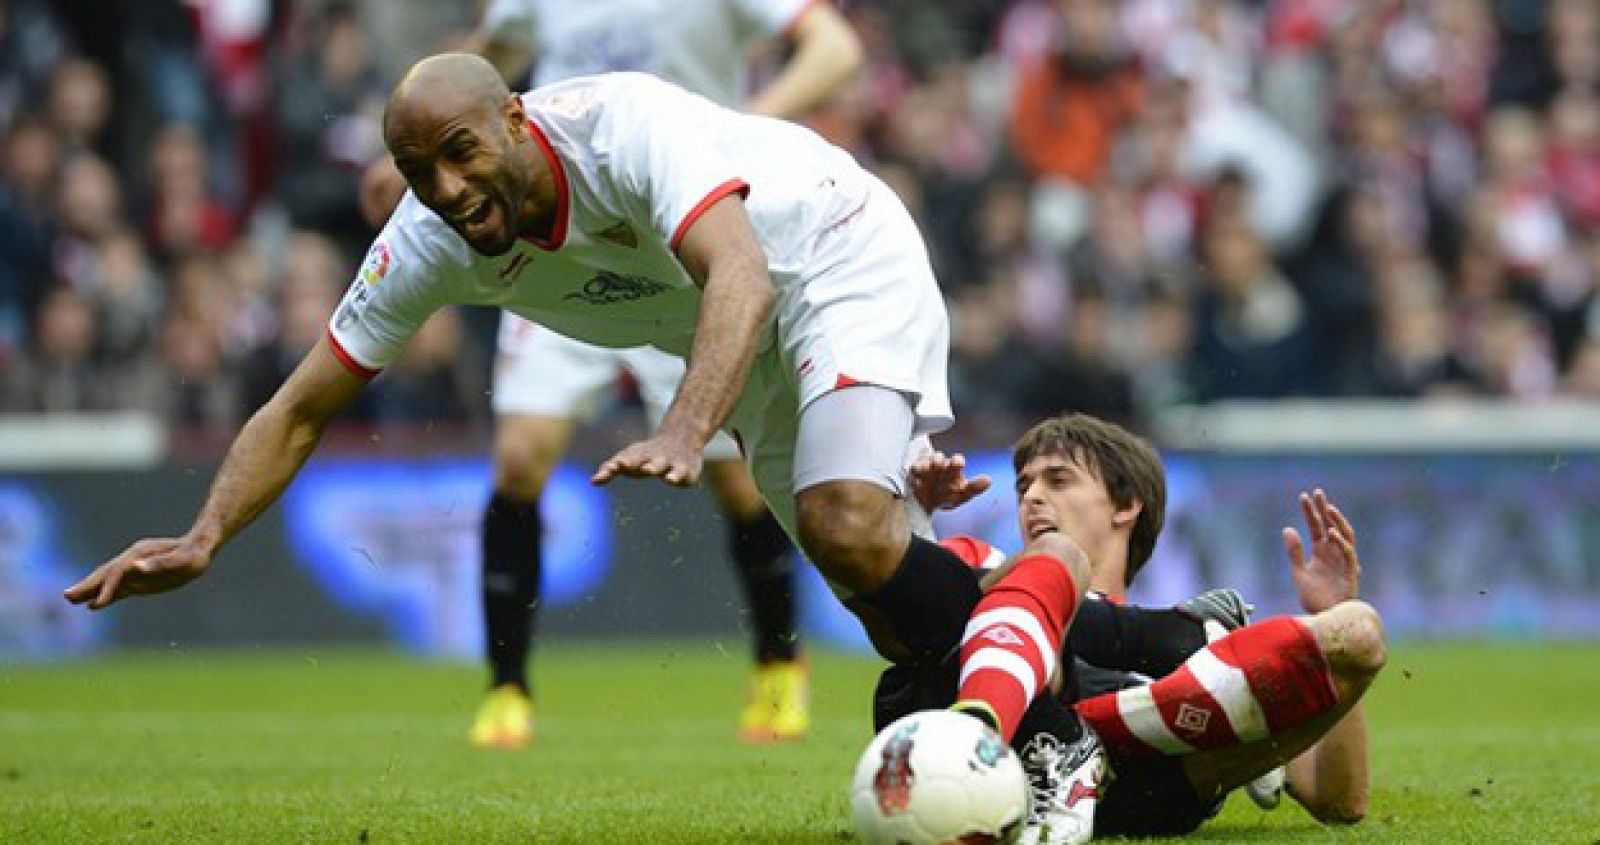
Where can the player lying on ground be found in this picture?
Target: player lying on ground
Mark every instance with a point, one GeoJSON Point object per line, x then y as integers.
{"type": "Point", "coordinates": [1283, 690]}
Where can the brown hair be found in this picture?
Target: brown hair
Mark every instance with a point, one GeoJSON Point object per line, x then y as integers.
{"type": "Point", "coordinates": [1128, 466]}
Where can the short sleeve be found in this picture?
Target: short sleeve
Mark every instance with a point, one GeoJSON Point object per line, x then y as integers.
{"type": "Point", "coordinates": [394, 292]}
{"type": "Point", "coordinates": [773, 18]}
{"type": "Point", "coordinates": [666, 161]}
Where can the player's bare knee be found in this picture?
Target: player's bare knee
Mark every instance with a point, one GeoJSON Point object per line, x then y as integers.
{"type": "Point", "coordinates": [1065, 550]}
{"type": "Point", "coordinates": [1353, 639]}
{"type": "Point", "coordinates": [519, 472]}
{"type": "Point", "coordinates": [846, 529]}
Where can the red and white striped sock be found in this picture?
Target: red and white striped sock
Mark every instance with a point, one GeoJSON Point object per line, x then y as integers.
{"type": "Point", "coordinates": [1008, 652]}
{"type": "Point", "coordinates": [1256, 682]}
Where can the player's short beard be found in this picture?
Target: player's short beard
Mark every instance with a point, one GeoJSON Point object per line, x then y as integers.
{"type": "Point", "coordinates": [505, 177]}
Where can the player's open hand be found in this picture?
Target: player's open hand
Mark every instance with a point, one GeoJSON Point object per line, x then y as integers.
{"type": "Point", "coordinates": [1332, 572]}
{"type": "Point", "coordinates": [148, 566]}
{"type": "Point", "coordinates": [940, 482]}
{"type": "Point", "coordinates": [669, 458]}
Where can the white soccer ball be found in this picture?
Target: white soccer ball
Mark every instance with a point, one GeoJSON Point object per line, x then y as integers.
{"type": "Point", "coordinates": [939, 777]}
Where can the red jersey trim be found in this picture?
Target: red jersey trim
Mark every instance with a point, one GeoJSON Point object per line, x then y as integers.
{"type": "Point", "coordinates": [739, 186]}
{"type": "Point", "coordinates": [788, 28]}
{"type": "Point", "coordinates": [350, 363]}
{"type": "Point", "coordinates": [558, 231]}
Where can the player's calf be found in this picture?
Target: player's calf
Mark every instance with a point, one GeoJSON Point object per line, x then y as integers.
{"type": "Point", "coordinates": [1254, 683]}
{"type": "Point", "coordinates": [913, 596]}
{"type": "Point", "coordinates": [1010, 648]}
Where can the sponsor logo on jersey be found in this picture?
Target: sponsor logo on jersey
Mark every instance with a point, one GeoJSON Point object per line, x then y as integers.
{"type": "Point", "coordinates": [376, 266]}
{"type": "Point", "coordinates": [608, 288]}
{"type": "Point", "coordinates": [1192, 719]}
{"type": "Point", "coordinates": [620, 234]}
{"type": "Point", "coordinates": [1002, 635]}
{"type": "Point", "coordinates": [892, 783]}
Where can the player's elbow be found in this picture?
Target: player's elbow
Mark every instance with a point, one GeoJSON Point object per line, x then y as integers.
{"type": "Point", "coordinates": [847, 53]}
{"type": "Point", "coordinates": [827, 32]}
{"type": "Point", "coordinates": [757, 289]}
{"type": "Point", "coordinates": [1342, 810]}
{"type": "Point", "coordinates": [1330, 802]}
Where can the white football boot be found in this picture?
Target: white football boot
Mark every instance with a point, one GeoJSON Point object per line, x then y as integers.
{"type": "Point", "coordinates": [1267, 790]}
{"type": "Point", "coordinates": [1066, 779]}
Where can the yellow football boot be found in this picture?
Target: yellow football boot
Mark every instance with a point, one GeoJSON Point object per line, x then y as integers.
{"type": "Point", "coordinates": [780, 703]}
{"type": "Point", "coordinates": [505, 719]}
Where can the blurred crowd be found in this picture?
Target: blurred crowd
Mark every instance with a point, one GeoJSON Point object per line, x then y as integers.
{"type": "Point", "coordinates": [1131, 205]}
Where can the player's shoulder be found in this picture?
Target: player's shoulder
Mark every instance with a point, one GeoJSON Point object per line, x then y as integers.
{"type": "Point", "coordinates": [597, 112]}
{"type": "Point", "coordinates": [595, 94]}
{"type": "Point", "coordinates": [415, 239]}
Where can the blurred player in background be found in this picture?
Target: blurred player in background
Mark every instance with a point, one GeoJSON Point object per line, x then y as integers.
{"type": "Point", "coordinates": [1185, 717]}
{"type": "Point", "coordinates": [544, 383]}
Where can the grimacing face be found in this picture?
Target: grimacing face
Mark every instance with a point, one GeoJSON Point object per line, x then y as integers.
{"type": "Point", "coordinates": [1057, 493]}
{"type": "Point", "coordinates": [465, 168]}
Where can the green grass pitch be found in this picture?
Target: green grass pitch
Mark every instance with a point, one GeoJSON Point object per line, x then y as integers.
{"type": "Point", "coordinates": [1472, 743]}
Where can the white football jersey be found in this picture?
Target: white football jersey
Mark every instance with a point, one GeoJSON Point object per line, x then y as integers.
{"type": "Point", "coordinates": [702, 45]}
{"type": "Point", "coordinates": [636, 161]}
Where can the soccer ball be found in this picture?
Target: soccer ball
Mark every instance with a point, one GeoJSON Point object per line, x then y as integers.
{"type": "Point", "coordinates": [939, 777]}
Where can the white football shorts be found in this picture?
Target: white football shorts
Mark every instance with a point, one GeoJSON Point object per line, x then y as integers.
{"type": "Point", "coordinates": [541, 373]}
{"type": "Point", "coordinates": [872, 313]}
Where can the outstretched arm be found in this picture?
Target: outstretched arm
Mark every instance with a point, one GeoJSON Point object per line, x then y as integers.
{"type": "Point", "coordinates": [827, 55]}
{"type": "Point", "coordinates": [1331, 779]}
{"type": "Point", "coordinates": [263, 460]}
{"type": "Point", "coordinates": [723, 256]}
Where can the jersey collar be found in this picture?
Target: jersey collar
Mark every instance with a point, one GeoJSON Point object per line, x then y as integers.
{"type": "Point", "coordinates": [558, 231]}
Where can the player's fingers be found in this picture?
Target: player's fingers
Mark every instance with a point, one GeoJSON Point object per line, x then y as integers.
{"type": "Point", "coordinates": [1342, 523]}
{"type": "Point", "coordinates": [1345, 545]}
{"type": "Point", "coordinates": [1320, 499]}
{"type": "Point", "coordinates": [605, 473]}
{"type": "Point", "coordinates": [1295, 547]}
{"type": "Point", "coordinates": [1313, 519]}
{"type": "Point", "coordinates": [977, 486]}
{"type": "Point", "coordinates": [87, 587]}
{"type": "Point", "coordinates": [109, 587]}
